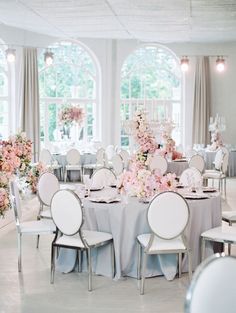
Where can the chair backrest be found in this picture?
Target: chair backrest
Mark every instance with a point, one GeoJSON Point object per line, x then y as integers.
{"type": "Point", "coordinates": [212, 288]}
{"type": "Point", "coordinates": [190, 152]}
{"type": "Point", "coordinates": [190, 177]}
{"type": "Point", "coordinates": [73, 157]}
{"type": "Point", "coordinates": [218, 159]}
{"type": "Point", "coordinates": [225, 163]}
{"type": "Point", "coordinates": [103, 177]}
{"type": "Point", "coordinates": [48, 184]}
{"type": "Point", "coordinates": [125, 157]}
{"type": "Point", "coordinates": [14, 190]}
{"type": "Point", "coordinates": [158, 162]}
{"type": "Point", "coordinates": [100, 156]}
{"type": "Point", "coordinates": [45, 157]}
{"type": "Point", "coordinates": [168, 215]}
{"type": "Point", "coordinates": [66, 210]}
{"type": "Point", "coordinates": [197, 161]}
{"type": "Point", "coordinates": [118, 164]}
{"type": "Point", "coordinates": [110, 152]}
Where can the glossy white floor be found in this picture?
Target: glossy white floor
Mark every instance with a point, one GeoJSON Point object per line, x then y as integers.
{"type": "Point", "coordinates": [31, 291]}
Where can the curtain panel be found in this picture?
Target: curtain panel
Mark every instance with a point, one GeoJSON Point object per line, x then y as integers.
{"type": "Point", "coordinates": [202, 102]}
{"type": "Point", "coordinates": [30, 118]}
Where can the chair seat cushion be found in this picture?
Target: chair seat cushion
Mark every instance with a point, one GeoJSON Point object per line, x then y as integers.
{"type": "Point", "coordinates": [93, 166]}
{"type": "Point", "coordinates": [213, 174]}
{"type": "Point", "coordinates": [38, 227]}
{"type": "Point", "coordinates": [46, 214]}
{"type": "Point", "coordinates": [161, 244]}
{"type": "Point", "coordinates": [221, 234]}
{"type": "Point", "coordinates": [229, 215]}
{"type": "Point", "coordinates": [93, 238]}
{"type": "Point", "coordinates": [74, 167]}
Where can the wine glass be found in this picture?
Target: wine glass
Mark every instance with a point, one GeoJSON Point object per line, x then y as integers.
{"type": "Point", "coordinates": [87, 183]}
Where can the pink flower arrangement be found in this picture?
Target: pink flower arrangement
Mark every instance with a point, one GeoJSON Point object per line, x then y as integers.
{"type": "Point", "coordinates": [71, 114]}
{"type": "Point", "coordinates": [143, 133]}
{"type": "Point", "coordinates": [145, 184]}
{"type": "Point", "coordinates": [33, 175]}
{"type": "Point", "coordinates": [4, 201]}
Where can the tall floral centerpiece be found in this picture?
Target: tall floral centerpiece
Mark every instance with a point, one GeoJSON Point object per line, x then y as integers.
{"type": "Point", "coordinates": [216, 127]}
{"type": "Point", "coordinates": [72, 117]}
{"type": "Point", "coordinates": [169, 146]}
{"type": "Point", "coordinates": [139, 180]}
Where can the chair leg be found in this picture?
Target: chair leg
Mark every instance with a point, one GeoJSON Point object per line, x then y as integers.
{"type": "Point", "coordinates": [143, 273]}
{"type": "Point", "coordinates": [79, 257]}
{"type": "Point", "coordinates": [189, 264]}
{"type": "Point", "coordinates": [225, 186]}
{"type": "Point", "coordinates": [180, 264]}
{"type": "Point", "coordinates": [139, 261]}
{"type": "Point", "coordinates": [203, 247]}
{"type": "Point", "coordinates": [52, 264]}
{"type": "Point", "coordinates": [112, 260]}
{"type": "Point", "coordinates": [19, 252]}
{"type": "Point", "coordinates": [65, 175]}
{"type": "Point", "coordinates": [37, 244]}
{"type": "Point", "coordinates": [89, 270]}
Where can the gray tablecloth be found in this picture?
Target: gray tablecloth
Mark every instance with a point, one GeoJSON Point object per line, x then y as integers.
{"type": "Point", "coordinates": [86, 158]}
{"type": "Point", "coordinates": [177, 167]}
{"type": "Point", "coordinates": [125, 222]}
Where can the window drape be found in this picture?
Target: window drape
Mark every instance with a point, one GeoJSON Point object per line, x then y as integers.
{"type": "Point", "coordinates": [30, 118]}
{"type": "Point", "coordinates": [202, 101]}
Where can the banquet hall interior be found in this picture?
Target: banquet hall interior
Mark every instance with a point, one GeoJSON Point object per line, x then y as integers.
{"type": "Point", "coordinates": [117, 156]}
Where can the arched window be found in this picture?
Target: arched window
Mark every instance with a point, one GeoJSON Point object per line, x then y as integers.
{"type": "Point", "coordinates": [4, 96]}
{"type": "Point", "coordinates": [151, 80]}
{"type": "Point", "coordinates": [71, 81]}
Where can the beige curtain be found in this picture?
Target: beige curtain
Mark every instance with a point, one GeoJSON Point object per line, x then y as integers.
{"type": "Point", "coordinates": [30, 99]}
{"type": "Point", "coordinates": [202, 102]}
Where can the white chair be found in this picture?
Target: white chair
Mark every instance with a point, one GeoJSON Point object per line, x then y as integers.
{"type": "Point", "coordinates": [125, 157]}
{"type": "Point", "coordinates": [213, 286]}
{"type": "Point", "coordinates": [223, 234]}
{"type": "Point", "coordinates": [219, 173]}
{"type": "Point", "coordinates": [27, 228]}
{"type": "Point", "coordinates": [191, 177]}
{"type": "Point", "coordinates": [48, 184]}
{"type": "Point", "coordinates": [167, 216]}
{"type": "Point", "coordinates": [47, 160]}
{"type": "Point", "coordinates": [197, 161]}
{"type": "Point", "coordinates": [158, 162]}
{"type": "Point", "coordinates": [73, 163]}
{"type": "Point", "coordinates": [117, 164]}
{"type": "Point", "coordinates": [100, 161]}
{"type": "Point", "coordinates": [103, 177]}
{"type": "Point", "coordinates": [230, 218]}
{"type": "Point", "coordinates": [68, 216]}
{"type": "Point", "coordinates": [190, 152]}
{"type": "Point", "coordinates": [110, 152]}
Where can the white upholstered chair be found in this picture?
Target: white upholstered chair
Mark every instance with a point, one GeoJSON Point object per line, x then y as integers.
{"type": "Point", "coordinates": [191, 177]}
{"type": "Point", "coordinates": [167, 216]}
{"type": "Point", "coordinates": [29, 227]}
{"type": "Point", "coordinates": [117, 164]}
{"type": "Point", "coordinates": [103, 177]}
{"type": "Point", "coordinates": [230, 218]}
{"type": "Point", "coordinates": [212, 288]}
{"type": "Point", "coordinates": [48, 184]}
{"type": "Point", "coordinates": [197, 161]}
{"type": "Point", "coordinates": [125, 157]}
{"type": "Point", "coordinates": [158, 162]}
{"type": "Point", "coordinates": [110, 152]}
{"type": "Point", "coordinates": [73, 163]}
{"type": "Point", "coordinates": [100, 161]}
{"type": "Point", "coordinates": [47, 160]}
{"type": "Point", "coordinates": [224, 234]}
{"type": "Point", "coordinates": [220, 171]}
{"type": "Point", "coordinates": [67, 215]}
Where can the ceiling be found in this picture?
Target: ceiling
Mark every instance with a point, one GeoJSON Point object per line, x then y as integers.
{"type": "Point", "coordinates": [163, 21]}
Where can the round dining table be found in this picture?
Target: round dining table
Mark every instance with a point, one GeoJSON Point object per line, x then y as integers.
{"type": "Point", "coordinates": [125, 220]}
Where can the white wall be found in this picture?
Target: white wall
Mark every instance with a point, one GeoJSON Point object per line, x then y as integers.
{"type": "Point", "coordinates": [111, 55]}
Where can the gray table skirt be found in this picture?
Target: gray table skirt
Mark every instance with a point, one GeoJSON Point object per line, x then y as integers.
{"type": "Point", "coordinates": [125, 222]}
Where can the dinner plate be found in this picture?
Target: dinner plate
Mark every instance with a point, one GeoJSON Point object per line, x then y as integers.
{"type": "Point", "coordinates": [180, 160]}
{"type": "Point", "coordinates": [102, 200]}
{"type": "Point", "coordinates": [195, 197]}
